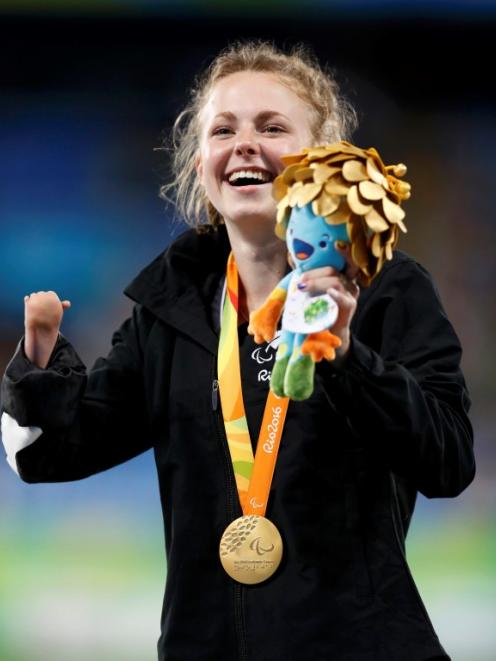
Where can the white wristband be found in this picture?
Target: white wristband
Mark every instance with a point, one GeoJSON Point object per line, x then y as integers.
{"type": "Point", "coordinates": [15, 438]}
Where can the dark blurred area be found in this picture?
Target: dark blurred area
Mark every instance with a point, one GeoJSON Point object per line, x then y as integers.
{"type": "Point", "coordinates": [86, 99]}
{"type": "Point", "coordinates": [88, 94]}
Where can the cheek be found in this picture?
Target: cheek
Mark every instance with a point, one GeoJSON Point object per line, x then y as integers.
{"type": "Point", "coordinates": [306, 136]}
{"type": "Point", "coordinates": [213, 163]}
{"type": "Point", "coordinates": [307, 140]}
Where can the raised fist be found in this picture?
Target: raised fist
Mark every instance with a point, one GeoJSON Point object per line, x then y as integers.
{"type": "Point", "coordinates": [43, 311]}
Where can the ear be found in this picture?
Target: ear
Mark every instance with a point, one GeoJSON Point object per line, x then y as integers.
{"type": "Point", "coordinates": [199, 168]}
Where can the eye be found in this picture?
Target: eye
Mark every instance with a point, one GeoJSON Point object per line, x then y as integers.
{"type": "Point", "coordinates": [222, 130]}
{"type": "Point", "coordinates": [273, 128]}
{"type": "Point", "coordinates": [291, 232]}
{"type": "Point", "coordinates": [324, 240]}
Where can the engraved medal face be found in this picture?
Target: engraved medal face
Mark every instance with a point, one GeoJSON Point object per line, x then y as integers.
{"type": "Point", "coordinates": [250, 549]}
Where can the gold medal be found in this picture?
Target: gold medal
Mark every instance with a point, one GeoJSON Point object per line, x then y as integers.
{"type": "Point", "coordinates": [250, 549]}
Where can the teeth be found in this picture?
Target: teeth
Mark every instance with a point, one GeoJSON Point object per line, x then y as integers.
{"type": "Point", "coordinates": [249, 174]}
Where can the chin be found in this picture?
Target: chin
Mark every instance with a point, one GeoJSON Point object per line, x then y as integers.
{"type": "Point", "coordinates": [266, 217]}
{"type": "Point", "coordinates": [252, 213]}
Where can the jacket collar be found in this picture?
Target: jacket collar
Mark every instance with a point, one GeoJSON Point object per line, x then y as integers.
{"type": "Point", "coordinates": [179, 285]}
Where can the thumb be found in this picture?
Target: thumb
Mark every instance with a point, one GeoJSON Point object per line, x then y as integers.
{"type": "Point", "coordinates": [66, 304]}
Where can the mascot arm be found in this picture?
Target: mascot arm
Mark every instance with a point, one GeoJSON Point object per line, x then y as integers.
{"type": "Point", "coordinates": [263, 322]}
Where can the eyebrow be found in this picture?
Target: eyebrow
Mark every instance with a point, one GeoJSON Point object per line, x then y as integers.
{"type": "Point", "coordinates": [262, 115]}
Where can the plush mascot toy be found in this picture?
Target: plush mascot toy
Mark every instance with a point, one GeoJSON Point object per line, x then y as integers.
{"type": "Point", "coordinates": [328, 194]}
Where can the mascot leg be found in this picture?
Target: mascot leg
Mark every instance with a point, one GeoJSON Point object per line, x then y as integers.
{"type": "Point", "coordinates": [298, 382]}
{"type": "Point", "coordinates": [282, 358]}
{"type": "Point", "coordinates": [321, 345]}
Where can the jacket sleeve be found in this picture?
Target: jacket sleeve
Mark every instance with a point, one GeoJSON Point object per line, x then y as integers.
{"type": "Point", "coordinates": [401, 387]}
{"type": "Point", "coordinates": [68, 424]}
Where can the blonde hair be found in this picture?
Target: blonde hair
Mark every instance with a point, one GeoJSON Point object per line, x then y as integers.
{"type": "Point", "coordinates": [333, 117]}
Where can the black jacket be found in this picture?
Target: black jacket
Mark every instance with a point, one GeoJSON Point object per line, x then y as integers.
{"type": "Point", "coordinates": [392, 421]}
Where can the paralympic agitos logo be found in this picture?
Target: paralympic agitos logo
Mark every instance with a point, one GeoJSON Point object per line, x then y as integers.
{"type": "Point", "coordinates": [256, 545]}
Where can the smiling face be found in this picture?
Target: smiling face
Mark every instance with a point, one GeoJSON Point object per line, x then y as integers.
{"type": "Point", "coordinates": [311, 239]}
{"type": "Point", "coordinates": [249, 121]}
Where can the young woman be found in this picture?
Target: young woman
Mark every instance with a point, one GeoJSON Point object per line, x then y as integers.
{"type": "Point", "coordinates": [387, 418]}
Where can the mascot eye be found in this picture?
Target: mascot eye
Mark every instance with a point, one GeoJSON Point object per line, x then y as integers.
{"type": "Point", "coordinates": [323, 244]}
{"type": "Point", "coordinates": [291, 231]}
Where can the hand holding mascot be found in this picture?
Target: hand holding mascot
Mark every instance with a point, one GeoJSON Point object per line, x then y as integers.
{"type": "Point", "coordinates": [328, 194]}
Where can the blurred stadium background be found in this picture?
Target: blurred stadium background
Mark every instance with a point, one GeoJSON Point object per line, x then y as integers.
{"type": "Point", "coordinates": [88, 90]}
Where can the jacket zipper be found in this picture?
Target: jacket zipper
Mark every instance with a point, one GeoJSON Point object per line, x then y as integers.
{"type": "Point", "coordinates": [238, 606]}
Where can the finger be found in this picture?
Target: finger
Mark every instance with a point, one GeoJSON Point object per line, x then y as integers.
{"type": "Point", "coordinates": [321, 272]}
{"type": "Point", "coordinates": [339, 282]}
{"type": "Point", "coordinates": [66, 304]}
{"type": "Point", "coordinates": [344, 299]}
{"type": "Point", "coordinates": [353, 289]}
{"type": "Point", "coordinates": [344, 249]}
{"type": "Point", "coordinates": [349, 285]}
{"type": "Point", "coordinates": [321, 285]}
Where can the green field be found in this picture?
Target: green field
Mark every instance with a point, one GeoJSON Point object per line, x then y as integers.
{"type": "Point", "coordinates": [92, 589]}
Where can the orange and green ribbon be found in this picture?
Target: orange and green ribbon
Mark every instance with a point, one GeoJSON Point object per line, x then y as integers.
{"type": "Point", "coordinates": [253, 474]}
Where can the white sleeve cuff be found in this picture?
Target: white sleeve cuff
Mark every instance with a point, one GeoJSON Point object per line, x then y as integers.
{"type": "Point", "coordinates": [16, 438]}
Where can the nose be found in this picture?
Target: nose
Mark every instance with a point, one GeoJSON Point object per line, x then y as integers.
{"type": "Point", "coordinates": [247, 144]}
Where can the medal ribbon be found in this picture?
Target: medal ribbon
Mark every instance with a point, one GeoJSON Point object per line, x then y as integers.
{"type": "Point", "coordinates": [253, 474]}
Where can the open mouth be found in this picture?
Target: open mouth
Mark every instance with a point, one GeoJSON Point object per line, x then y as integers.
{"type": "Point", "coordinates": [302, 249]}
{"type": "Point", "coordinates": [250, 177]}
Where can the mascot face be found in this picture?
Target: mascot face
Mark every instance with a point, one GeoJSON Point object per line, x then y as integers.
{"type": "Point", "coordinates": [310, 240]}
